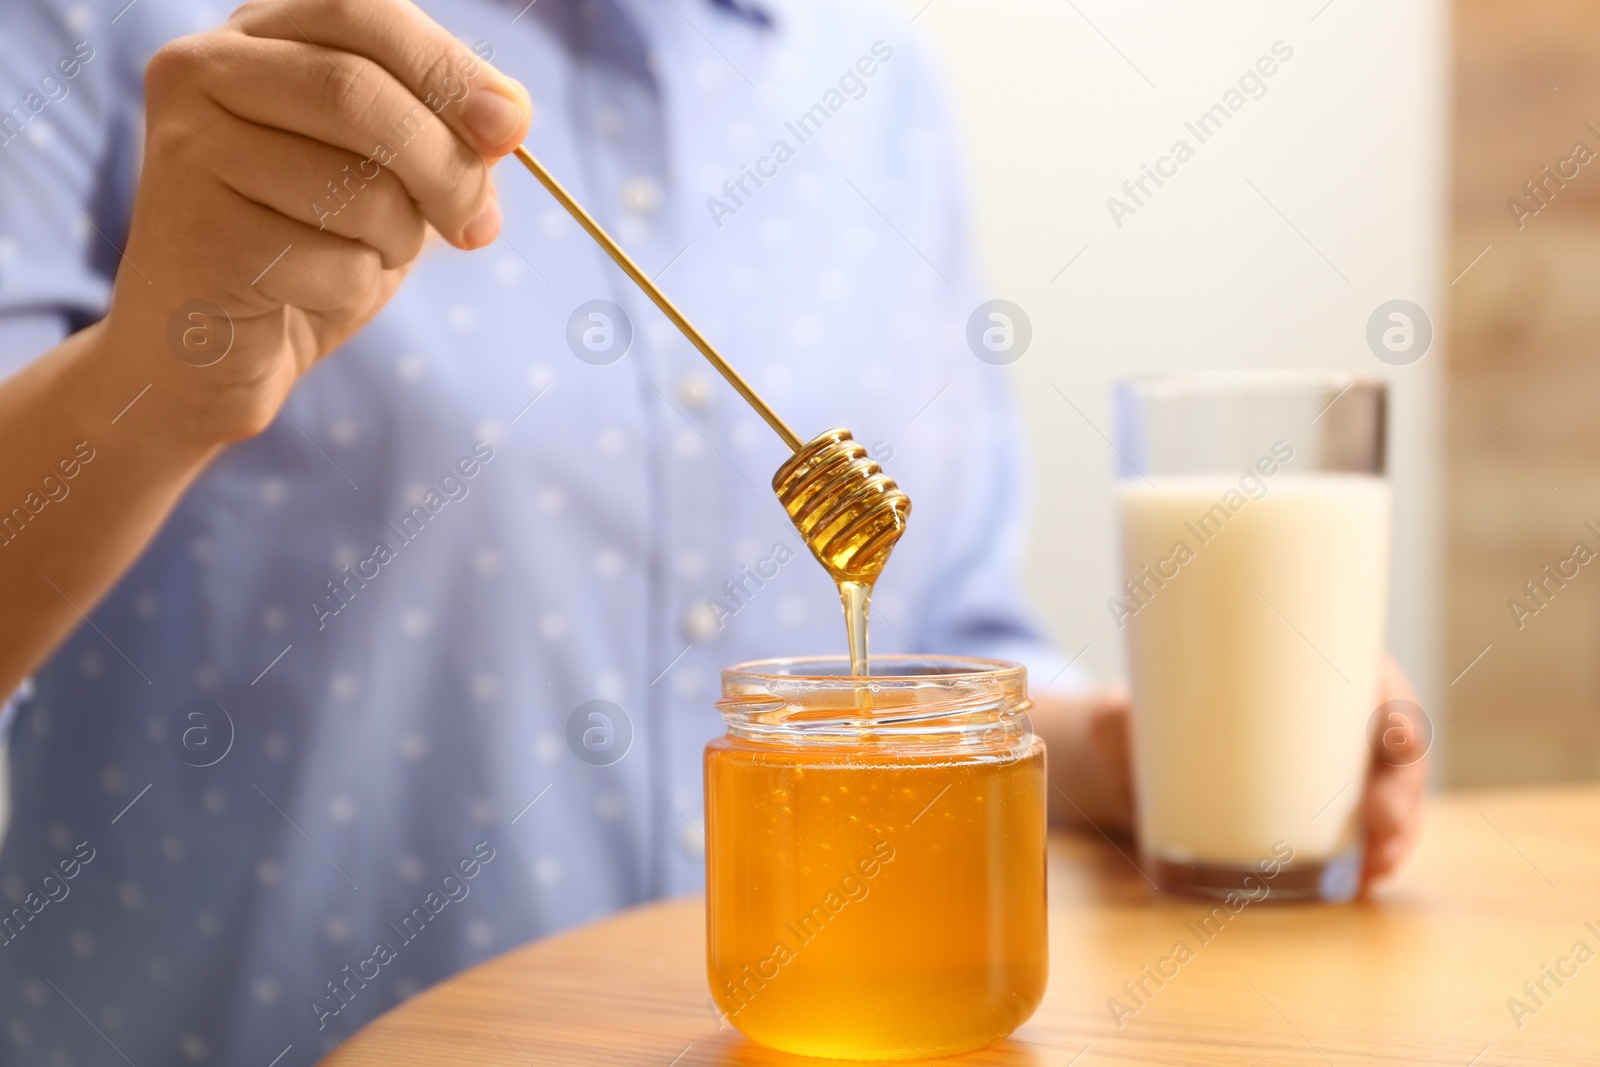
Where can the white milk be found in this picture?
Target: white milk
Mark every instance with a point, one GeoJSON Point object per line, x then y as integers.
{"type": "Point", "coordinates": [1251, 704]}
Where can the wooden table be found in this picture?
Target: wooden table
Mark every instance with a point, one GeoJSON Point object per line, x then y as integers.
{"type": "Point", "coordinates": [1503, 884]}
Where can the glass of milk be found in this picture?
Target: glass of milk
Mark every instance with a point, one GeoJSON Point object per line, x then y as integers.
{"type": "Point", "coordinates": [1255, 517]}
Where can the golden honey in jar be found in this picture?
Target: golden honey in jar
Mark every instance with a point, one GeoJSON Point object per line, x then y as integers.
{"type": "Point", "coordinates": [875, 869]}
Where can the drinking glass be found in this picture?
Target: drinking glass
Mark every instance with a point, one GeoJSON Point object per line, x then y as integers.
{"type": "Point", "coordinates": [1255, 528]}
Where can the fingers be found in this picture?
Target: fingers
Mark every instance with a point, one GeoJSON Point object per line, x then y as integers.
{"type": "Point", "coordinates": [1398, 780]}
{"type": "Point", "coordinates": [244, 254]}
{"type": "Point", "coordinates": [491, 114]}
{"type": "Point", "coordinates": [1090, 774]}
{"type": "Point", "coordinates": [331, 330]}
{"type": "Point", "coordinates": [301, 266]}
{"type": "Point", "coordinates": [1392, 812]}
{"type": "Point", "coordinates": [1109, 729]}
{"type": "Point", "coordinates": [350, 103]}
{"type": "Point", "coordinates": [359, 199]}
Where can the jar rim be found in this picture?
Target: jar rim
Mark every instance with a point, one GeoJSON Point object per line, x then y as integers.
{"type": "Point", "coordinates": [900, 669]}
{"type": "Point", "coordinates": [936, 704]}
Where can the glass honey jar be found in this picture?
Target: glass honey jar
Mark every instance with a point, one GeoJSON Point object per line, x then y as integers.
{"type": "Point", "coordinates": [875, 869]}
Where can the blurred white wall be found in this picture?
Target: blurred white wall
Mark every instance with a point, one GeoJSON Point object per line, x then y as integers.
{"type": "Point", "coordinates": [1271, 247]}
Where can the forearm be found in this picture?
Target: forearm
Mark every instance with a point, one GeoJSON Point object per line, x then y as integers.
{"type": "Point", "coordinates": [85, 482]}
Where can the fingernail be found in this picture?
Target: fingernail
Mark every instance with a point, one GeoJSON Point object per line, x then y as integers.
{"type": "Point", "coordinates": [493, 119]}
{"type": "Point", "coordinates": [484, 228]}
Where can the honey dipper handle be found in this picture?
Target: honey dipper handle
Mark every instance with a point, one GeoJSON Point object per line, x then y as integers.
{"type": "Point", "coordinates": [643, 281]}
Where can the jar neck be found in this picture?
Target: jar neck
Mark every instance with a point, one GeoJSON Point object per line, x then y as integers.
{"type": "Point", "coordinates": [922, 704]}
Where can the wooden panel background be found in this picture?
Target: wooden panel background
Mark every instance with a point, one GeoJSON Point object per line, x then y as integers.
{"type": "Point", "coordinates": [1523, 400]}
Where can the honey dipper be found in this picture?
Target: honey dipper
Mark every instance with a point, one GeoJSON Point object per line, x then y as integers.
{"type": "Point", "coordinates": [848, 511]}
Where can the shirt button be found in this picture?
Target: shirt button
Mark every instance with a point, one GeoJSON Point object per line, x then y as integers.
{"type": "Point", "coordinates": [694, 391]}
{"type": "Point", "coordinates": [641, 195]}
{"type": "Point", "coordinates": [699, 624]}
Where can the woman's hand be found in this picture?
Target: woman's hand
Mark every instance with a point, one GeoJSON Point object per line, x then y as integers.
{"type": "Point", "coordinates": [1091, 773]}
{"type": "Point", "coordinates": [295, 160]}
{"type": "Point", "coordinates": [1090, 759]}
